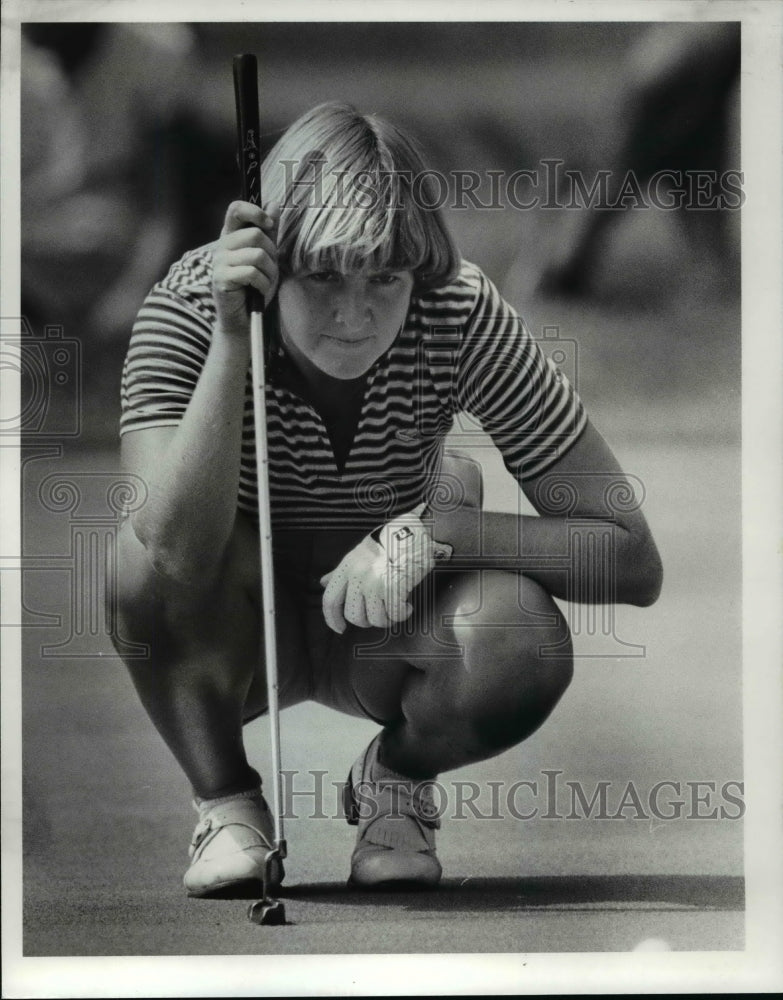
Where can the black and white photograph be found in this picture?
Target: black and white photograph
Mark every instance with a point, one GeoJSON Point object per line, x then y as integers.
{"type": "Point", "coordinates": [391, 437]}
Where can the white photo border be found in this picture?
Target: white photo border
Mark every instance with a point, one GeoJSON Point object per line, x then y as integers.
{"type": "Point", "coordinates": [759, 967]}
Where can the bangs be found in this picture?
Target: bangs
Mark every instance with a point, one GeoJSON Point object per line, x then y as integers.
{"type": "Point", "coordinates": [362, 224]}
{"type": "Point", "coordinates": [346, 202]}
{"type": "Point", "coordinates": [351, 258]}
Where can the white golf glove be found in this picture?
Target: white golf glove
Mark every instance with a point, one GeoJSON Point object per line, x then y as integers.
{"type": "Point", "coordinates": [372, 584]}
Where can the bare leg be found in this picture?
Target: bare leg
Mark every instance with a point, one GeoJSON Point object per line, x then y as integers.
{"type": "Point", "coordinates": [205, 653]}
{"type": "Point", "coordinates": [457, 710]}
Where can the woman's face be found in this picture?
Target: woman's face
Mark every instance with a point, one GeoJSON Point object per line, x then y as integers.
{"type": "Point", "coordinates": [342, 323]}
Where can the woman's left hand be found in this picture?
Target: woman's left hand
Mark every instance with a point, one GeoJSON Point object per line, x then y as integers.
{"type": "Point", "coordinates": [372, 584]}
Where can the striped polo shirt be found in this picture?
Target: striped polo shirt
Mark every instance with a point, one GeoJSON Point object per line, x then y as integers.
{"type": "Point", "coordinates": [462, 348]}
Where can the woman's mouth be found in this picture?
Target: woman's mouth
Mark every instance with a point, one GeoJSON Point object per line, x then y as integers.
{"type": "Point", "coordinates": [350, 342]}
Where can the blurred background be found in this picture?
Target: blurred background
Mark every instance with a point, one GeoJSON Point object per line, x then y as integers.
{"type": "Point", "coordinates": [128, 153]}
{"type": "Point", "coordinates": [128, 159]}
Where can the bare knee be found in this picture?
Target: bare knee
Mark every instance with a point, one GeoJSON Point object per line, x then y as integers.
{"type": "Point", "coordinates": [153, 608]}
{"type": "Point", "coordinates": [134, 591]}
{"type": "Point", "coordinates": [515, 624]}
{"type": "Point", "coordinates": [518, 660]}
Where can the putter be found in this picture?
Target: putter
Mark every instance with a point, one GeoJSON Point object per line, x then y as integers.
{"type": "Point", "coordinates": [265, 910]}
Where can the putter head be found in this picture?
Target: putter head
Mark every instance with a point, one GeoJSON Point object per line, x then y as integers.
{"type": "Point", "coordinates": [266, 912]}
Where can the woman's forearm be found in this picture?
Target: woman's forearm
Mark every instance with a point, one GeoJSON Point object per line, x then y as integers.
{"type": "Point", "coordinates": [591, 561]}
{"type": "Point", "coordinates": [192, 501]}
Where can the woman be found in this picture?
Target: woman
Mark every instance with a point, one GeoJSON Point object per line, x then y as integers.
{"type": "Point", "coordinates": [380, 335]}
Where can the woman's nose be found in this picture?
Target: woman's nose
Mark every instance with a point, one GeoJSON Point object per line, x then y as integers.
{"type": "Point", "coordinates": [352, 308]}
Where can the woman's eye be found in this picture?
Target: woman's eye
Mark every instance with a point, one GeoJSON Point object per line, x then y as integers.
{"type": "Point", "coordinates": [323, 277]}
{"type": "Point", "coordinates": [385, 279]}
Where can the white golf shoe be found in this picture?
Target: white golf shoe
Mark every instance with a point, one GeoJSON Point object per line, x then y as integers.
{"type": "Point", "coordinates": [397, 819]}
{"type": "Point", "coordinates": [229, 848]}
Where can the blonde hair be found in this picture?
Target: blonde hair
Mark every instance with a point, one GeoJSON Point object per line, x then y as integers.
{"type": "Point", "coordinates": [345, 186]}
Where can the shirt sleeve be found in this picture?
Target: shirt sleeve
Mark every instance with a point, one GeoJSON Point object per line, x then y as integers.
{"type": "Point", "coordinates": [518, 395]}
{"type": "Point", "coordinates": [168, 348]}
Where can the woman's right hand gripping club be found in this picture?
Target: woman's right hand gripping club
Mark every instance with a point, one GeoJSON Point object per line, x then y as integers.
{"type": "Point", "coordinates": [245, 257]}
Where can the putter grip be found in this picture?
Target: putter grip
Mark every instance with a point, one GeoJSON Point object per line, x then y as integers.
{"type": "Point", "coordinates": [248, 149]}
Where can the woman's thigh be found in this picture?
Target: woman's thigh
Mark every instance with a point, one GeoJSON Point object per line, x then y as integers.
{"type": "Point", "coordinates": [361, 672]}
{"type": "Point", "coordinates": [369, 669]}
{"type": "Point", "coordinates": [472, 635]}
{"type": "Point", "coordinates": [241, 632]}
{"type": "Point", "coordinates": [461, 622]}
